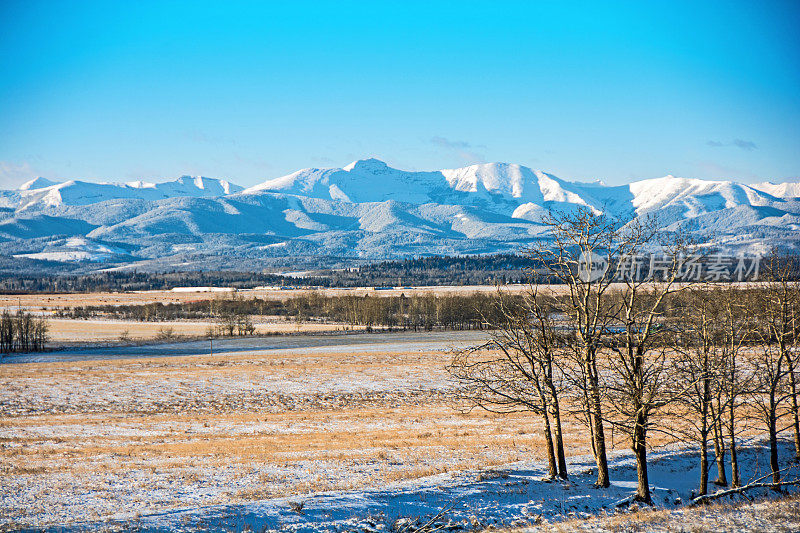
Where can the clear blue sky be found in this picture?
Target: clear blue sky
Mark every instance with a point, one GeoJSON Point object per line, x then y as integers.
{"type": "Point", "coordinates": [248, 91]}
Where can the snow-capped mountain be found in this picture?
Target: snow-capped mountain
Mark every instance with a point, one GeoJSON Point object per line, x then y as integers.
{"type": "Point", "coordinates": [779, 190]}
{"type": "Point", "coordinates": [366, 210]}
{"type": "Point", "coordinates": [41, 191]}
{"type": "Point", "coordinates": [371, 180]}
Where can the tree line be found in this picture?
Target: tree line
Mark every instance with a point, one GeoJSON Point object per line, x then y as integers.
{"type": "Point", "coordinates": [437, 270]}
{"type": "Point", "coordinates": [420, 271]}
{"type": "Point", "coordinates": [14, 283]}
{"type": "Point", "coordinates": [22, 332]}
{"type": "Point", "coordinates": [634, 356]}
{"type": "Point", "coordinates": [417, 312]}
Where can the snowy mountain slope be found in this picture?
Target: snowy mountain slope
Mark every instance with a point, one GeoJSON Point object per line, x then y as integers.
{"type": "Point", "coordinates": [779, 190]}
{"type": "Point", "coordinates": [516, 182]}
{"type": "Point", "coordinates": [507, 188]}
{"type": "Point", "coordinates": [42, 226]}
{"type": "Point", "coordinates": [371, 180]}
{"type": "Point", "coordinates": [367, 180]}
{"type": "Point", "coordinates": [695, 196]}
{"type": "Point", "coordinates": [366, 211]}
{"type": "Point", "coordinates": [36, 183]}
{"type": "Point", "coordinates": [42, 192]}
{"type": "Point", "coordinates": [76, 249]}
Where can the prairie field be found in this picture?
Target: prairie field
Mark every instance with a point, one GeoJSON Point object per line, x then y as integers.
{"type": "Point", "coordinates": [93, 439]}
{"type": "Point", "coordinates": [46, 301]}
{"type": "Point", "coordinates": [306, 439]}
{"type": "Point", "coordinates": [69, 331]}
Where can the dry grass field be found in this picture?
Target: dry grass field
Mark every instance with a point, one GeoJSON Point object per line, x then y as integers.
{"type": "Point", "coordinates": [88, 440]}
{"type": "Point", "coordinates": [64, 330]}
{"type": "Point", "coordinates": [56, 301]}
{"type": "Point", "coordinates": [45, 301]}
{"type": "Point", "coordinates": [102, 440]}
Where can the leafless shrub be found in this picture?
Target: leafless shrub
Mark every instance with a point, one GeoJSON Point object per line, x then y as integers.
{"type": "Point", "coordinates": [165, 334]}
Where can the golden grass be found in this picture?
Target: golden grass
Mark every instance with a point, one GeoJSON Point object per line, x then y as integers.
{"type": "Point", "coordinates": [248, 426]}
{"type": "Point", "coordinates": [55, 301]}
{"type": "Point", "coordinates": [98, 330]}
{"type": "Point", "coordinates": [65, 425]}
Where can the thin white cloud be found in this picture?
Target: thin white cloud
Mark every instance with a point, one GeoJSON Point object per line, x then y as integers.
{"type": "Point", "coordinates": [714, 170]}
{"type": "Point", "coordinates": [744, 145]}
{"type": "Point", "coordinates": [463, 149]}
{"type": "Point", "coordinates": [738, 143]}
{"type": "Point", "coordinates": [12, 175]}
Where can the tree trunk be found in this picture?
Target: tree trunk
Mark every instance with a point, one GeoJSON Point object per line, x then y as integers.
{"type": "Point", "coordinates": [795, 413]}
{"type": "Point", "coordinates": [704, 460]}
{"type": "Point", "coordinates": [548, 439]}
{"type": "Point", "coordinates": [599, 438]}
{"type": "Point", "coordinates": [562, 459]}
{"type": "Point", "coordinates": [559, 439]}
{"type": "Point", "coordinates": [596, 417]}
{"type": "Point", "coordinates": [773, 447]}
{"type": "Point", "coordinates": [639, 445]}
{"type": "Point", "coordinates": [719, 450]}
{"type": "Point", "coordinates": [591, 427]}
{"type": "Point", "coordinates": [704, 429]}
{"type": "Point", "coordinates": [735, 481]}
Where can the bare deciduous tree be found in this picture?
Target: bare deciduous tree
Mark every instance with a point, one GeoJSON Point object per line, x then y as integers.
{"type": "Point", "coordinates": [698, 365]}
{"type": "Point", "coordinates": [628, 354]}
{"type": "Point", "coordinates": [22, 332]}
{"type": "Point", "coordinates": [518, 369]}
{"type": "Point", "coordinates": [640, 383]}
{"type": "Point", "coordinates": [738, 330]}
{"type": "Point", "coordinates": [772, 361]}
{"type": "Point", "coordinates": [578, 238]}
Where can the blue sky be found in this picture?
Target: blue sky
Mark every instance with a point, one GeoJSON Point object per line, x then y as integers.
{"type": "Point", "coordinates": [250, 91]}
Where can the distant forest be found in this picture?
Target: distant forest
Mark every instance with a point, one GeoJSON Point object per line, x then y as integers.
{"type": "Point", "coordinates": [423, 271]}
{"type": "Point", "coordinates": [426, 271]}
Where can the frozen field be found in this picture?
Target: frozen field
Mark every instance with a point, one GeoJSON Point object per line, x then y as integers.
{"type": "Point", "coordinates": [65, 331]}
{"type": "Point", "coordinates": [514, 497]}
{"type": "Point", "coordinates": [328, 437]}
{"type": "Point", "coordinates": [257, 346]}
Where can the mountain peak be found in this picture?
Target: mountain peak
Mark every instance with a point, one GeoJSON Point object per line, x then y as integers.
{"type": "Point", "coordinates": [36, 183]}
{"type": "Point", "coordinates": [368, 165]}
{"type": "Point", "coordinates": [369, 209]}
{"type": "Point", "coordinates": [79, 193]}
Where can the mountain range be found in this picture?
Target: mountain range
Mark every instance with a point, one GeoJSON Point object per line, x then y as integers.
{"type": "Point", "coordinates": [364, 211]}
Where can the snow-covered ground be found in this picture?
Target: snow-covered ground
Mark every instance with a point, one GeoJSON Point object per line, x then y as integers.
{"type": "Point", "coordinates": [515, 495]}
{"type": "Point", "coordinates": [287, 344]}
{"type": "Point", "coordinates": [84, 440]}
{"type": "Point", "coordinates": [303, 439]}
{"type": "Point", "coordinates": [769, 515]}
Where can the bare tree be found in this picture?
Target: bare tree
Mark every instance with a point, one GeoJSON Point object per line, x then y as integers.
{"type": "Point", "coordinates": [517, 370]}
{"type": "Point", "coordinates": [640, 383]}
{"type": "Point", "coordinates": [698, 366]}
{"type": "Point", "coordinates": [738, 330]}
{"type": "Point", "coordinates": [783, 274]}
{"type": "Point", "coordinates": [579, 239]}
{"type": "Point", "coordinates": [772, 360]}
{"type": "Point", "coordinates": [22, 332]}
